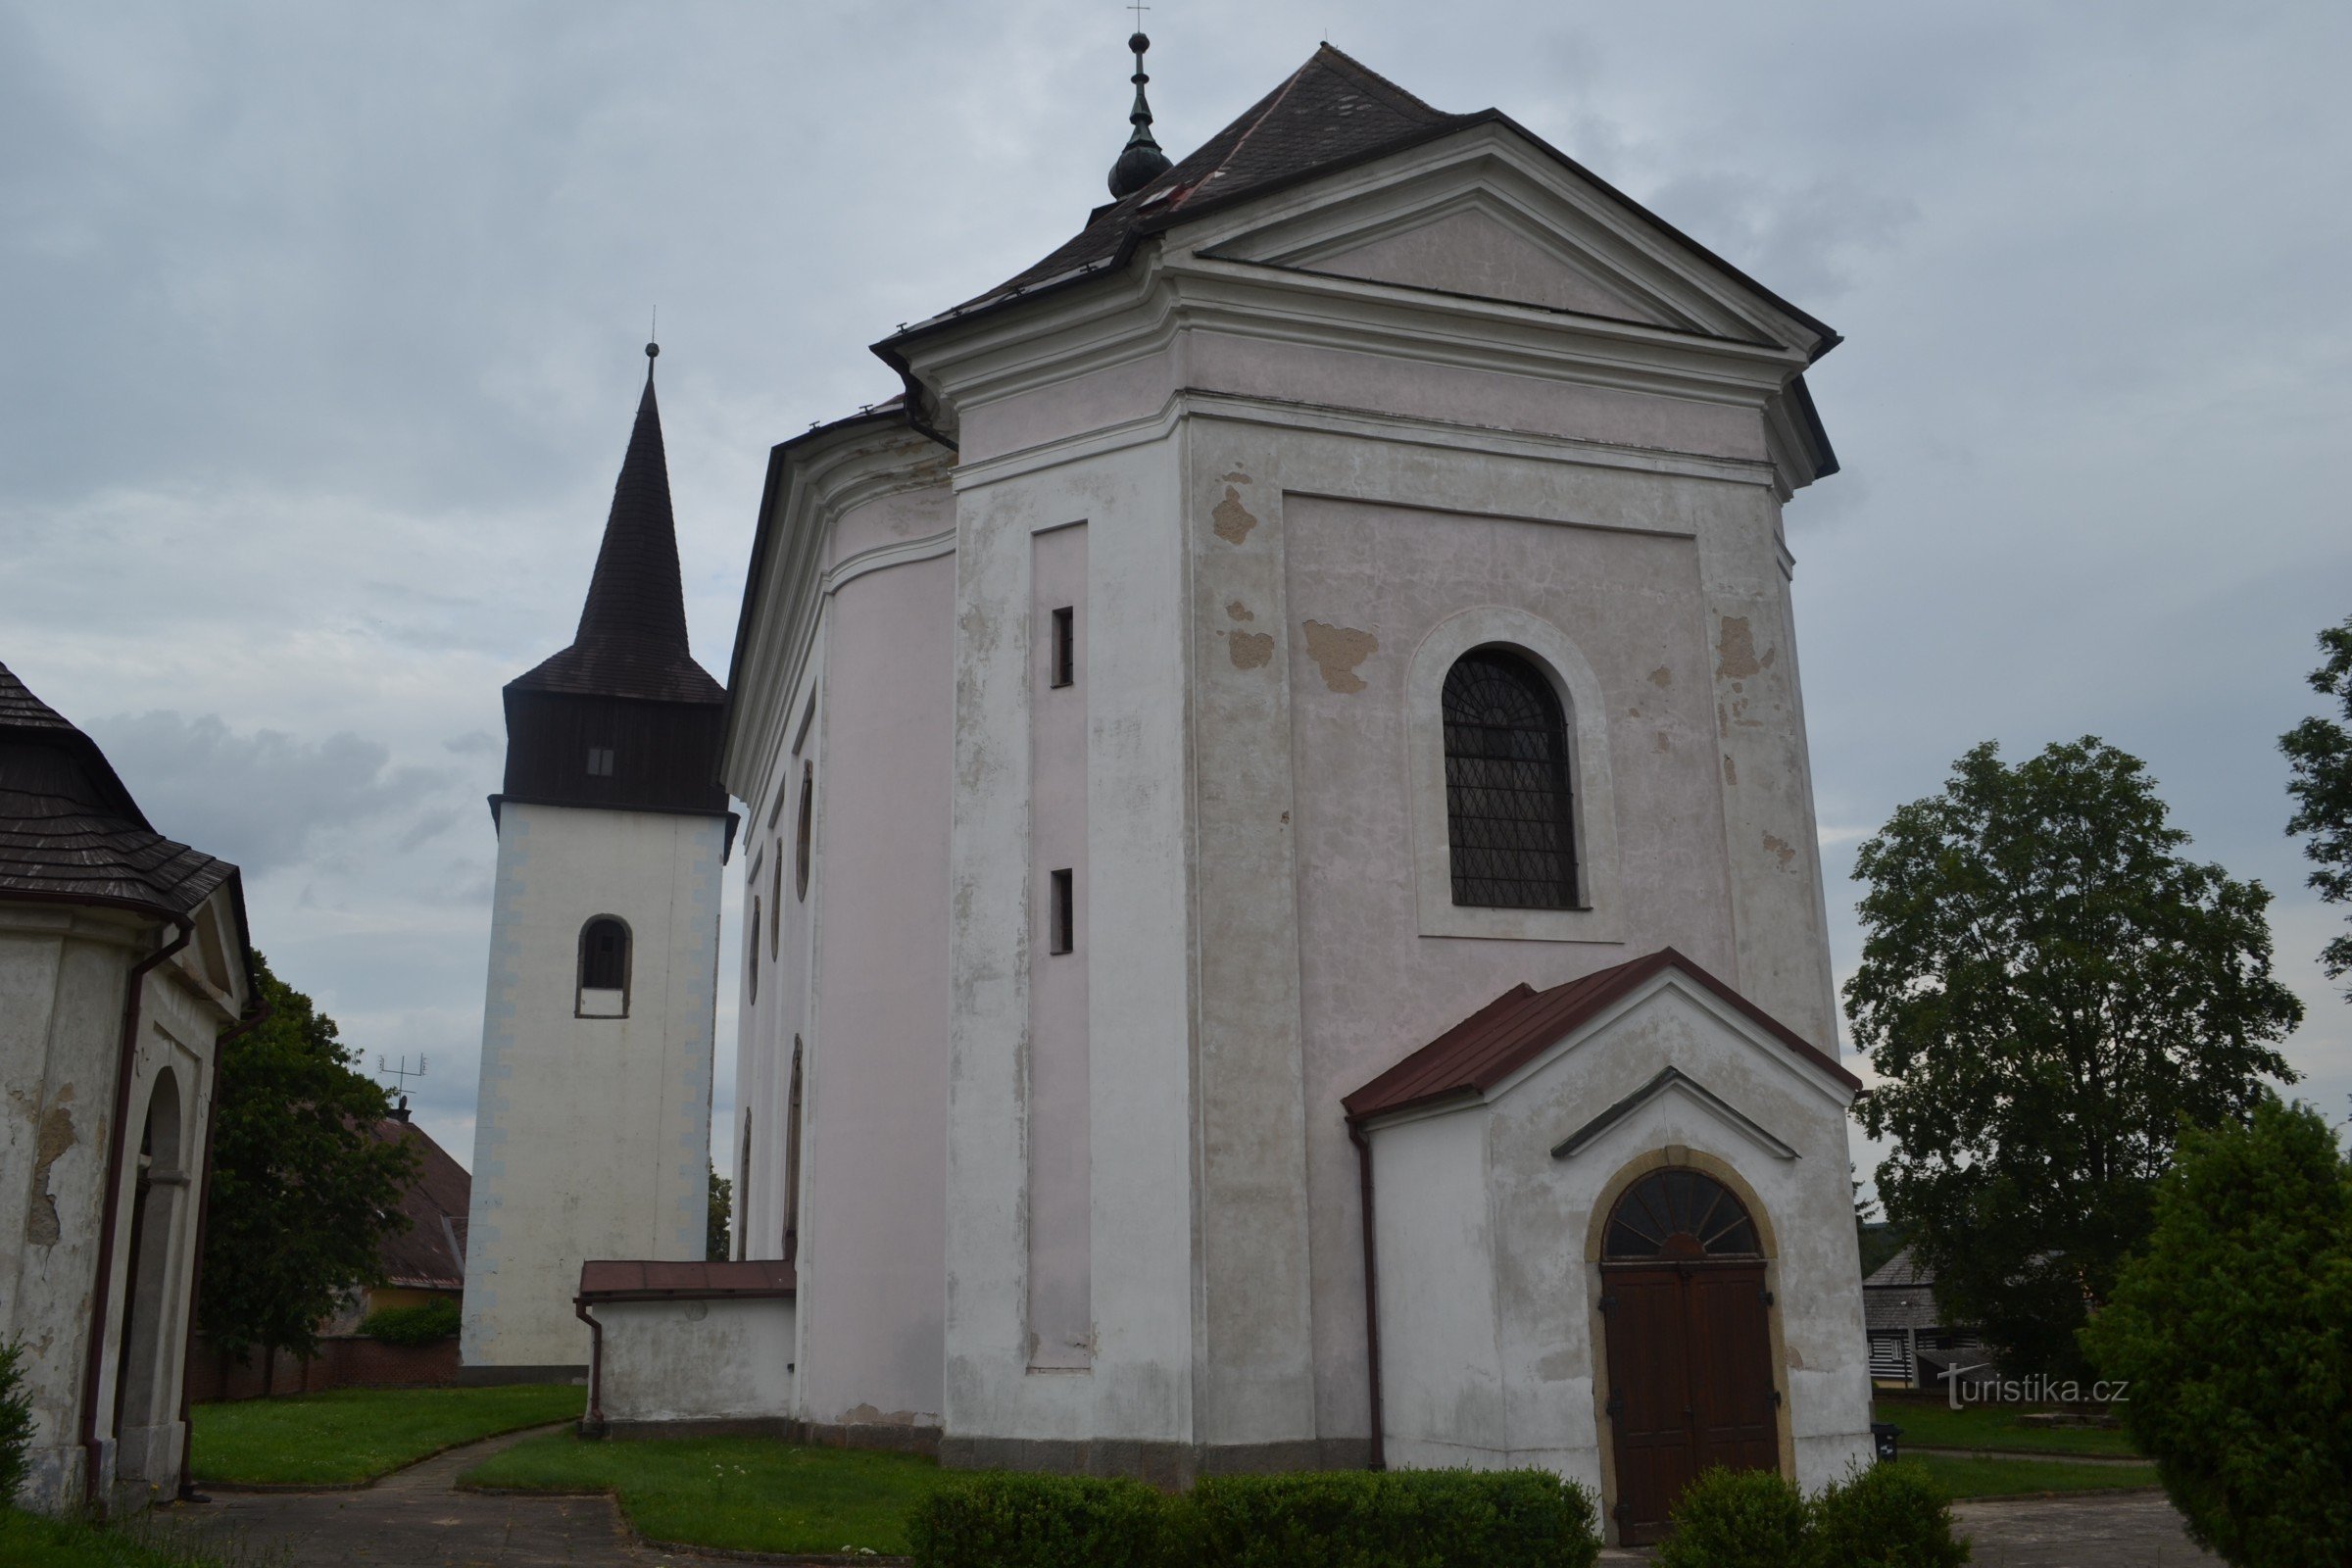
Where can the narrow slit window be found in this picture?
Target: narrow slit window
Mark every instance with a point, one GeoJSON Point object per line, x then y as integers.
{"type": "Point", "coordinates": [1065, 646]}
{"type": "Point", "coordinates": [1062, 927]}
{"type": "Point", "coordinates": [600, 762]}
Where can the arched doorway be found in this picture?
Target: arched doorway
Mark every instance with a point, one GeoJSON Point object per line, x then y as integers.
{"type": "Point", "coordinates": [1690, 1342]}
{"type": "Point", "coordinates": [143, 1397]}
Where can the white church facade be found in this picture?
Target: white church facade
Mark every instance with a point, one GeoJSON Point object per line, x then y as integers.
{"type": "Point", "coordinates": [1283, 924]}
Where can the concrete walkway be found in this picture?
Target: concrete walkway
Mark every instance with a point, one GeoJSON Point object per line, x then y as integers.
{"type": "Point", "coordinates": [412, 1519]}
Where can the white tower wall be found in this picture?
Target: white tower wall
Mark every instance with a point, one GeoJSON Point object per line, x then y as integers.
{"type": "Point", "coordinates": [592, 1133]}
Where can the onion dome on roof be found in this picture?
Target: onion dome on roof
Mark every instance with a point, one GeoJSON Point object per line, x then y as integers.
{"type": "Point", "coordinates": [1141, 162]}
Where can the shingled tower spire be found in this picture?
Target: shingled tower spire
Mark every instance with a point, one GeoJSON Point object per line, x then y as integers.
{"type": "Point", "coordinates": [594, 1120]}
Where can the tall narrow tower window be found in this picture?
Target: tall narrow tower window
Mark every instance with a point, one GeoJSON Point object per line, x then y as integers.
{"type": "Point", "coordinates": [1061, 919]}
{"type": "Point", "coordinates": [1065, 646]}
{"type": "Point", "coordinates": [1511, 824]}
{"type": "Point", "coordinates": [751, 967]}
{"type": "Point", "coordinates": [603, 991]}
{"type": "Point", "coordinates": [792, 1160]}
{"type": "Point", "coordinates": [801, 834]}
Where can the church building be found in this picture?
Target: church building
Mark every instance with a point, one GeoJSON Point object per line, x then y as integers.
{"type": "Point", "coordinates": [1283, 924]}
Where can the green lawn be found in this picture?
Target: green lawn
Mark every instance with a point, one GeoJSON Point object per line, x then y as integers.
{"type": "Point", "coordinates": [737, 1493]}
{"type": "Point", "coordinates": [2008, 1478]}
{"type": "Point", "coordinates": [26, 1538]}
{"type": "Point", "coordinates": [1990, 1426]}
{"type": "Point", "coordinates": [352, 1435]}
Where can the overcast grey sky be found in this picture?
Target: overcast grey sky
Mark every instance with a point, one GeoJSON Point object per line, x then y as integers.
{"type": "Point", "coordinates": [324, 327]}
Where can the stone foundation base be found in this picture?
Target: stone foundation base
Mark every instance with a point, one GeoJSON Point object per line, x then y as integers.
{"type": "Point", "coordinates": [1169, 1465]}
{"type": "Point", "coordinates": [473, 1377]}
{"type": "Point", "coordinates": [891, 1439]}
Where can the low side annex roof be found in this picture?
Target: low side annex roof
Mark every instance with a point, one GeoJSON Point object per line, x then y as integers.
{"type": "Point", "coordinates": [1512, 1030]}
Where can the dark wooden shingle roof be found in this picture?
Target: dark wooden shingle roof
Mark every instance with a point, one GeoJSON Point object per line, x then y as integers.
{"type": "Point", "coordinates": [69, 830]}
{"type": "Point", "coordinates": [631, 640]}
{"type": "Point", "coordinates": [1331, 112]}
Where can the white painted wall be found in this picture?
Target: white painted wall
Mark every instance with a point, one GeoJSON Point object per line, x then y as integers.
{"type": "Point", "coordinates": [593, 1134]}
{"type": "Point", "coordinates": [62, 973]}
{"type": "Point", "coordinates": [712, 1360]}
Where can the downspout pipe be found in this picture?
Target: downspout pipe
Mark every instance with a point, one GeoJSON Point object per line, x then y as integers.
{"type": "Point", "coordinates": [1364, 1163]}
{"type": "Point", "coordinates": [117, 1139]}
{"type": "Point", "coordinates": [203, 1208]}
{"type": "Point", "coordinates": [593, 1426]}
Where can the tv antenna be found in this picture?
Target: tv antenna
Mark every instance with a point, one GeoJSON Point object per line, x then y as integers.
{"type": "Point", "coordinates": [401, 1074]}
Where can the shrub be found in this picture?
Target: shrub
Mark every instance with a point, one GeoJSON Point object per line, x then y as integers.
{"type": "Point", "coordinates": [1885, 1516]}
{"type": "Point", "coordinates": [1030, 1521]}
{"type": "Point", "coordinates": [427, 1323]}
{"type": "Point", "coordinates": [2233, 1330]}
{"type": "Point", "coordinates": [16, 1422]}
{"type": "Point", "coordinates": [1395, 1519]}
{"type": "Point", "coordinates": [1736, 1519]}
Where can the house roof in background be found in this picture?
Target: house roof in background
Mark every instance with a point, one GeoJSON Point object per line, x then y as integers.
{"type": "Point", "coordinates": [69, 830]}
{"type": "Point", "coordinates": [430, 1255]}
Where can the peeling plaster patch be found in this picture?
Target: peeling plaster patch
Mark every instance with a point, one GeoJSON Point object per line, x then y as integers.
{"type": "Point", "coordinates": [1781, 849]}
{"type": "Point", "coordinates": [1231, 519]}
{"type": "Point", "coordinates": [1659, 742]}
{"type": "Point", "coordinates": [1736, 650]}
{"type": "Point", "coordinates": [865, 1416]}
{"type": "Point", "coordinates": [56, 1136]}
{"type": "Point", "coordinates": [1252, 649]}
{"type": "Point", "coordinates": [1336, 651]}
{"type": "Point", "coordinates": [1661, 677]}
{"type": "Point", "coordinates": [1236, 476]}
{"type": "Point", "coordinates": [1730, 769]}
{"type": "Point", "coordinates": [1239, 610]}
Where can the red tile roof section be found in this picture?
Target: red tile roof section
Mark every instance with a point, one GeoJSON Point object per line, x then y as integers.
{"type": "Point", "coordinates": [1507, 1033]}
{"type": "Point", "coordinates": [623, 1280]}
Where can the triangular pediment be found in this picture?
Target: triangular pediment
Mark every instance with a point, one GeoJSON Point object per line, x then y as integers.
{"type": "Point", "coordinates": [1486, 211]}
{"type": "Point", "coordinates": [1481, 250]}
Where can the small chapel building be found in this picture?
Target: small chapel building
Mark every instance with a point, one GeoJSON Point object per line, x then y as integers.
{"type": "Point", "coordinates": [1284, 923]}
{"type": "Point", "coordinates": [124, 966]}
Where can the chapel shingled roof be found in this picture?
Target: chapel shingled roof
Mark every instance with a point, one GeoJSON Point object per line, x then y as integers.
{"type": "Point", "coordinates": [631, 640]}
{"type": "Point", "coordinates": [69, 829]}
{"type": "Point", "coordinates": [1512, 1030]}
{"type": "Point", "coordinates": [1329, 113]}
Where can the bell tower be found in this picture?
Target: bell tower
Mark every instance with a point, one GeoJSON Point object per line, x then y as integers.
{"type": "Point", "coordinates": [593, 1128]}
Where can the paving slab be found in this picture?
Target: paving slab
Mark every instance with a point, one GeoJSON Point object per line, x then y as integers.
{"type": "Point", "coordinates": [2082, 1530]}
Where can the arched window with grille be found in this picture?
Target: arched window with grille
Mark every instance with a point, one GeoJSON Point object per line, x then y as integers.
{"type": "Point", "coordinates": [604, 990]}
{"type": "Point", "coordinates": [1510, 812]}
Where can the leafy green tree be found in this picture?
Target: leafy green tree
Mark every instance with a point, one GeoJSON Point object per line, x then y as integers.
{"type": "Point", "coordinates": [303, 1190]}
{"type": "Point", "coordinates": [16, 1421]}
{"type": "Point", "coordinates": [2320, 752]}
{"type": "Point", "coordinates": [2050, 989]}
{"type": "Point", "coordinates": [722, 1204]}
{"type": "Point", "coordinates": [2234, 1328]}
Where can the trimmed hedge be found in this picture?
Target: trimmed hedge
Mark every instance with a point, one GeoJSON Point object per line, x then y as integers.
{"type": "Point", "coordinates": [428, 1323]}
{"type": "Point", "coordinates": [1343, 1519]}
{"type": "Point", "coordinates": [1736, 1519]}
{"type": "Point", "coordinates": [1880, 1516]}
{"type": "Point", "coordinates": [1030, 1521]}
{"type": "Point", "coordinates": [1395, 1519]}
{"type": "Point", "coordinates": [1885, 1516]}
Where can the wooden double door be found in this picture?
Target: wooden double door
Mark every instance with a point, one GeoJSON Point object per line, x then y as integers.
{"type": "Point", "coordinates": [1691, 1383]}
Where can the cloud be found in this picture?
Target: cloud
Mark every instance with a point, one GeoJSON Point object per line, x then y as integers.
{"type": "Point", "coordinates": [258, 799]}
